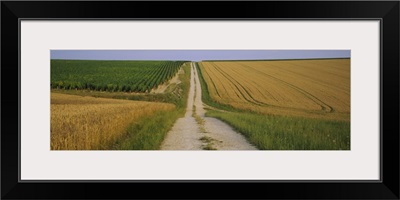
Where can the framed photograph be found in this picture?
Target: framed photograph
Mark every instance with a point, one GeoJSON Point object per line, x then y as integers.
{"type": "Point", "coordinates": [301, 98]}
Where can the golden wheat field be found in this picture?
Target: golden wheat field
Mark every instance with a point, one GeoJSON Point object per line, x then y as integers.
{"type": "Point", "coordinates": [306, 88]}
{"type": "Point", "coordinates": [80, 123]}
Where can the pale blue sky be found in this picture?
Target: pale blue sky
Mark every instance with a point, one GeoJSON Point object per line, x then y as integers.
{"type": "Point", "coordinates": [196, 55]}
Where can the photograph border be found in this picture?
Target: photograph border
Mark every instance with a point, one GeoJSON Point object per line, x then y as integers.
{"type": "Point", "coordinates": [13, 187]}
{"type": "Point", "coordinates": [149, 178]}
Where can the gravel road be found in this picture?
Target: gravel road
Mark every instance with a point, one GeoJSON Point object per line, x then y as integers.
{"type": "Point", "coordinates": [197, 132]}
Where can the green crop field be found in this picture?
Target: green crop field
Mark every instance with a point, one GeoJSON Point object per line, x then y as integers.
{"type": "Point", "coordinates": [126, 76]}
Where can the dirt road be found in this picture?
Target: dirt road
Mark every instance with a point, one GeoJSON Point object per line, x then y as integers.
{"type": "Point", "coordinates": [197, 132]}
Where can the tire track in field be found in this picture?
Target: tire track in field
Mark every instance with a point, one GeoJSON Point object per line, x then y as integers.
{"type": "Point", "coordinates": [223, 85]}
{"type": "Point", "coordinates": [255, 101]}
{"type": "Point", "coordinates": [232, 80]}
{"type": "Point", "coordinates": [212, 81]}
{"type": "Point", "coordinates": [319, 102]}
{"type": "Point", "coordinates": [254, 83]}
{"type": "Point", "coordinates": [310, 96]}
{"type": "Point", "coordinates": [262, 104]}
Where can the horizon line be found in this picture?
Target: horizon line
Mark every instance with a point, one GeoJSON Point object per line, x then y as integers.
{"type": "Point", "coordinates": [207, 60]}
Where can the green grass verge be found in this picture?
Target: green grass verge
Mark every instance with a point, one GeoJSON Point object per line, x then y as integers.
{"type": "Point", "coordinates": [148, 133]}
{"type": "Point", "coordinates": [288, 133]}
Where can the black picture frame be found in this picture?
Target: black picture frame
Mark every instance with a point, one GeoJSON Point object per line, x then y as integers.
{"type": "Point", "coordinates": [386, 11]}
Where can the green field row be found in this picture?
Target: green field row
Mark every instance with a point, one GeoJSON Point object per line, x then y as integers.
{"type": "Point", "coordinates": [126, 76]}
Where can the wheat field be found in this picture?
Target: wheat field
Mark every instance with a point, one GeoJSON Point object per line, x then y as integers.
{"type": "Point", "coordinates": [82, 123]}
{"type": "Point", "coordinates": [305, 88]}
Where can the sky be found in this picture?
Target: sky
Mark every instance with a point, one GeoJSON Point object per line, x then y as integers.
{"type": "Point", "coordinates": [196, 55]}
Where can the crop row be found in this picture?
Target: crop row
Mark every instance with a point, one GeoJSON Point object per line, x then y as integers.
{"type": "Point", "coordinates": [127, 76]}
